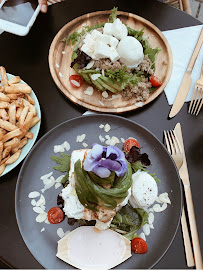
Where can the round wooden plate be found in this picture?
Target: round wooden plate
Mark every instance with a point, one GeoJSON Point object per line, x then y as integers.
{"type": "Point", "coordinates": [60, 60]}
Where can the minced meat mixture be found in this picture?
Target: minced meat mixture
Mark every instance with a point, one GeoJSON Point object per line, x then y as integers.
{"type": "Point", "coordinates": [141, 91]}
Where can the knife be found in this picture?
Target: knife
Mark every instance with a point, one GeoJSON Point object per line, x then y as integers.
{"type": "Point", "coordinates": [187, 80]}
{"type": "Point", "coordinates": [190, 208]}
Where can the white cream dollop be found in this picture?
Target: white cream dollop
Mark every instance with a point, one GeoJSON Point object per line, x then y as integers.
{"type": "Point", "coordinates": [130, 51]}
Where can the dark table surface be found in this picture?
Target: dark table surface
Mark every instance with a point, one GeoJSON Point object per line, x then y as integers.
{"type": "Point", "coordinates": [28, 57]}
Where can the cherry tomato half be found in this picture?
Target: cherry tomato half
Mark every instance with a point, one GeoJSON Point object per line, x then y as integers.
{"type": "Point", "coordinates": [76, 80]}
{"type": "Point", "coordinates": [139, 246]}
{"type": "Point", "coordinates": [129, 143]}
{"type": "Point", "coordinates": [55, 215]}
{"type": "Point", "coordinates": [155, 81]}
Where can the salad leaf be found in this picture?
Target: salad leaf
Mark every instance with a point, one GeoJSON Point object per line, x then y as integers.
{"type": "Point", "coordinates": [81, 59]}
{"type": "Point", "coordinates": [64, 162]}
{"type": "Point", "coordinates": [139, 166]}
{"type": "Point", "coordinates": [89, 28]}
{"type": "Point", "coordinates": [122, 77]}
{"type": "Point", "coordinates": [113, 15]}
{"type": "Point", "coordinates": [73, 38]}
{"type": "Point", "coordinates": [129, 220]}
{"type": "Point", "coordinates": [135, 33]}
{"type": "Point", "coordinates": [152, 54]}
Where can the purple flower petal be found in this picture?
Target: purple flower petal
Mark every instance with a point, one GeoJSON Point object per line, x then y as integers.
{"type": "Point", "coordinates": [110, 164]}
{"type": "Point", "coordinates": [115, 150]}
{"type": "Point", "coordinates": [102, 172]}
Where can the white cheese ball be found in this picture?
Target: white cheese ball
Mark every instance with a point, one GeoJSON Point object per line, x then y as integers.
{"type": "Point", "coordinates": [144, 190]}
{"type": "Point", "coordinates": [130, 51]}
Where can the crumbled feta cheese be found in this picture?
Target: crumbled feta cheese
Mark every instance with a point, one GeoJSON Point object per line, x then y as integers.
{"type": "Point", "coordinates": [107, 128]}
{"type": "Point", "coordinates": [101, 138]}
{"type": "Point", "coordinates": [101, 103]}
{"type": "Point", "coordinates": [101, 126]}
{"type": "Point", "coordinates": [41, 217]}
{"type": "Point", "coordinates": [90, 65]}
{"type": "Point", "coordinates": [151, 218]}
{"type": "Point", "coordinates": [139, 104]}
{"type": "Point", "coordinates": [122, 140]}
{"type": "Point", "coordinates": [146, 229]}
{"type": "Point", "coordinates": [60, 233]}
{"type": "Point", "coordinates": [57, 65]}
{"type": "Point", "coordinates": [38, 210]}
{"type": "Point", "coordinates": [113, 97]}
{"type": "Point", "coordinates": [89, 91]}
{"type": "Point", "coordinates": [75, 83]}
{"type": "Point", "coordinates": [57, 185]}
{"type": "Point", "coordinates": [105, 94]}
{"type": "Point", "coordinates": [164, 198]}
{"type": "Point", "coordinates": [43, 229]}
{"type": "Point", "coordinates": [84, 145]}
{"type": "Point", "coordinates": [95, 76]}
{"type": "Point", "coordinates": [33, 194]}
{"type": "Point", "coordinates": [80, 138]}
{"type": "Point", "coordinates": [59, 179]}
{"type": "Point", "coordinates": [60, 74]}
{"type": "Point", "coordinates": [142, 235]}
{"type": "Point", "coordinates": [33, 202]}
{"type": "Point", "coordinates": [157, 208]}
{"type": "Point", "coordinates": [63, 52]}
{"type": "Point", "coordinates": [46, 176]}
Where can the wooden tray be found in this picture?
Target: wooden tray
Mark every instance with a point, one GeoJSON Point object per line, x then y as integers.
{"type": "Point", "coordinates": [60, 60]}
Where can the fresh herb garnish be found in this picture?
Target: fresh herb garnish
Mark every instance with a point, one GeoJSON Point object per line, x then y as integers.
{"type": "Point", "coordinates": [64, 162]}
{"type": "Point", "coordinates": [139, 166]}
{"type": "Point", "coordinates": [113, 15]}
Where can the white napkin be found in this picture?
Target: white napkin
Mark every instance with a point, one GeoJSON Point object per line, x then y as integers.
{"type": "Point", "coordinates": [182, 42]}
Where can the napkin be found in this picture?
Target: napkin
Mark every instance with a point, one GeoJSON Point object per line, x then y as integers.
{"type": "Point", "coordinates": [182, 42]}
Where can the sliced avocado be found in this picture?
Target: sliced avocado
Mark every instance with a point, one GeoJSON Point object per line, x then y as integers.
{"type": "Point", "coordinates": [111, 83]}
{"type": "Point", "coordinates": [97, 84]}
{"type": "Point", "coordinates": [86, 78]}
{"type": "Point", "coordinates": [106, 86]}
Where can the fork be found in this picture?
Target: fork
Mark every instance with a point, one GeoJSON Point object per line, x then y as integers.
{"type": "Point", "coordinates": [174, 148]}
{"type": "Point", "coordinates": [197, 99]}
{"type": "Point", "coordinates": [51, 2]}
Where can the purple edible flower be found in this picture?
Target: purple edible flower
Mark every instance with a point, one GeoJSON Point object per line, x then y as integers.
{"type": "Point", "coordinates": [102, 160]}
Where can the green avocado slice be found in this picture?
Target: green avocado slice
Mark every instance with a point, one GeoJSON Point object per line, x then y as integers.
{"type": "Point", "coordinates": [111, 83]}
{"type": "Point", "coordinates": [106, 86]}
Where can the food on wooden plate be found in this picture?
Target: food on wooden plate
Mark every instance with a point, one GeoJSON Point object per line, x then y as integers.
{"type": "Point", "coordinates": [113, 57]}
{"type": "Point", "coordinates": [88, 248]}
{"type": "Point", "coordinates": [17, 116]}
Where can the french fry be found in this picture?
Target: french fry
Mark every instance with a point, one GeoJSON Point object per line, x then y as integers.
{"type": "Point", "coordinates": [1, 89]}
{"type": "Point", "coordinates": [4, 160]}
{"type": "Point", "coordinates": [2, 168]}
{"type": "Point", "coordinates": [7, 125]}
{"type": "Point", "coordinates": [14, 80]}
{"type": "Point", "coordinates": [20, 145]}
{"type": "Point", "coordinates": [15, 96]}
{"type": "Point", "coordinates": [19, 102]}
{"type": "Point", "coordinates": [35, 120]}
{"type": "Point", "coordinates": [30, 99]}
{"type": "Point", "coordinates": [4, 98]}
{"type": "Point", "coordinates": [31, 107]}
{"type": "Point", "coordinates": [18, 112]}
{"type": "Point", "coordinates": [18, 88]}
{"type": "Point", "coordinates": [6, 152]}
{"type": "Point", "coordinates": [13, 143]}
{"type": "Point", "coordinates": [12, 134]}
{"type": "Point", "coordinates": [4, 104]}
{"type": "Point", "coordinates": [26, 125]}
{"type": "Point", "coordinates": [1, 149]}
{"type": "Point", "coordinates": [13, 158]}
{"type": "Point", "coordinates": [12, 113]}
{"type": "Point", "coordinates": [2, 133]}
{"type": "Point", "coordinates": [23, 115]}
{"type": "Point", "coordinates": [29, 135]}
{"type": "Point", "coordinates": [4, 78]}
{"type": "Point", "coordinates": [4, 114]}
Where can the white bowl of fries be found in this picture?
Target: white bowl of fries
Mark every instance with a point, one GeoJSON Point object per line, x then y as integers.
{"type": "Point", "coordinates": [19, 120]}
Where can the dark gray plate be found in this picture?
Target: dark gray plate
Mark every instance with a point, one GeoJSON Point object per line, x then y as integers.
{"type": "Point", "coordinates": [43, 245]}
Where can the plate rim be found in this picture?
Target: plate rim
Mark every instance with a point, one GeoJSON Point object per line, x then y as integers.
{"type": "Point", "coordinates": [92, 116]}
{"type": "Point", "coordinates": [34, 139]}
{"type": "Point", "coordinates": [75, 100]}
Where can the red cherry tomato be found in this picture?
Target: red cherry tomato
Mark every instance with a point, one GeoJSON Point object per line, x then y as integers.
{"type": "Point", "coordinates": [129, 143]}
{"type": "Point", "coordinates": [55, 215]}
{"type": "Point", "coordinates": [76, 80]}
{"type": "Point", "coordinates": [155, 81]}
{"type": "Point", "coordinates": [139, 246]}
